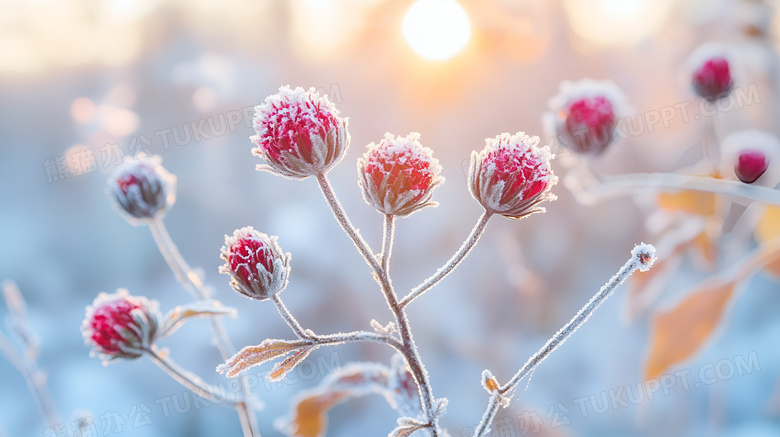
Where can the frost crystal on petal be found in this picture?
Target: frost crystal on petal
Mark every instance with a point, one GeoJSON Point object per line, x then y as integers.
{"type": "Point", "coordinates": [398, 175]}
{"type": "Point", "coordinates": [256, 263]}
{"type": "Point", "coordinates": [512, 175]}
{"type": "Point", "coordinates": [299, 133]}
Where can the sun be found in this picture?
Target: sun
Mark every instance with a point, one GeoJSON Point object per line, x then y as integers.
{"type": "Point", "coordinates": [436, 29]}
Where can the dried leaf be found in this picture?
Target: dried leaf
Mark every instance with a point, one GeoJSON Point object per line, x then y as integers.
{"type": "Point", "coordinates": [183, 313]}
{"type": "Point", "coordinates": [679, 333]}
{"type": "Point", "coordinates": [289, 363]}
{"type": "Point", "coordinates": [251, 356]}
{"type": "Point", "coordinates": [768, 228]}
{"type": "Point", "coordinates": [310, 416]}
{"type": "Point", "coordinates": [693, 202]}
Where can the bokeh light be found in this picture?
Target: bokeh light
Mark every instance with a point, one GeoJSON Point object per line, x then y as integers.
{"type": "Point", "coordinates": [436, 29]}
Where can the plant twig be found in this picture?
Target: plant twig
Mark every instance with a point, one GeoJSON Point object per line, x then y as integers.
{"type": "Point", "coordinates": [288, 317]}
{"type": "Point", "coordinates": [185, 378]}
{"type": "Point", "coordinates": [616, 186]}
{"type": "Point", "coordinates": [642, 258]}
{"type": "Point", "coordinates": [453, 262]}
{"type": "Point", "coordinates": [408, 348]}
{"type": "Point", "coordinates": [346, 224]}
{"type": "Point", "coordinates": [35, 380]}
{"type": "Point", "coordinates": [197, 290]}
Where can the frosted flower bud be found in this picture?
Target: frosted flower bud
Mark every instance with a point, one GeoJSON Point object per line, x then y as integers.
{"type": "Point", "coordinates": [712, 79]}
{"type": "Point", "coordinates": [710, 71]}
{"type": "Point", "coordinates": [142, 189]}
{"type": "Point", "coordinates": [398, 175]}
{"type": "Point", "coordinates": [584, 114]}
{"type": "Point", "coordinates": [119, 325]}
{"type": "Point", "coordinates": [255, 262]}
{"type": "Point", "coordinates": [749, 153]}
{"type": "Point", "coordinates": [299, 133]}
{"type": "Point", "coordinates": [512, 175]}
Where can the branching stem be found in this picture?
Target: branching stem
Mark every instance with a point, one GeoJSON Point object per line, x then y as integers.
{"type": "Point", "coordinates": [197, 290]}
{"type": "Point", "coordinates": [453, 262]}
{"type": "Point", "coordinates": [639, 259]}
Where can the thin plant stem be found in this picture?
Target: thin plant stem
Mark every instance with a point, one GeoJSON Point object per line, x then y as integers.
{"type": "Point", "coordinates": [197, 290]}
{"type": "Point", "coordinates": [635, 262]}
{"type": "Point", "coordinates": [183, 377]}
{"type": "Point", "coordinates": [288, 317]}
{"type": "Point", "coordinates": [453, 262]}
{"type": "Point", "coordinates": [616, 186]}
{"type": "Point", "coordinates": [408, 347]}
{"type": "Point", "coordinates": [346, 224]}
{"type": "Point", "coordinates": [387, 241]}
{"type": "Point", "coordinates": [34, 378]}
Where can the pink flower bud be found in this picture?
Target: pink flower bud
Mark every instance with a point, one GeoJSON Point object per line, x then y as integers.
{"type": "Point", "coordinates": [750, 153]}
{"type": "Point", "coordinates": [255, 262]}
{"type": "Point", "coordinates": [584, 114]}
{"type": "Point", "coordinates": [512, 175]}
{"type": "Point", "coordinates": [712, 79]}
{"type": "Point", "coordinates": [142, 189]}
{"type": "Point", "coordinates": [299, 133]}
{"type": "Point", "coordinates": [398, 175]}
{"type": "Point", "coordinates": [750, 165]}
{"type": "Point", "coordinates": [120, 325]}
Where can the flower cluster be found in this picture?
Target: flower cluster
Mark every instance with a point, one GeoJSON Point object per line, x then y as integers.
{"type": "Point", "coordinates": [299, 133]}
{"type": "Point", "coordinates": [398, 175]}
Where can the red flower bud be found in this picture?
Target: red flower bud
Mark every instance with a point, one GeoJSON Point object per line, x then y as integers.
{"type": "Point", "coordinates": [512, 175]}
{"type": "Point", "coordinates": [712, 79]}
{"type": "Point", "coordinates": [299, 133]}
{"type": "Point", "coordinates": [120, 325]}
{"type": "Point", "coordinates": [255, 262]}
{"type": "Point", "coordinates": [398, 175]}
{"type": "Point", "coordinates": [750, 165]}
{"type": "Point", "coordinates": [142, 189]}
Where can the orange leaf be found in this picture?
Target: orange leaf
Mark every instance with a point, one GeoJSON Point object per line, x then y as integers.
{"type": "Point", "coordinates": [310, 418]}
{"type": "Point", "coordinates": [768, 228]}
{"type": "Point", "coordinates": [678, 334]}
{"type": "Point", "coordinates": [289, 363]}
{"type": "Point", "coordinates": [693, 202]}
{"type": "Point", "coordinates": [256, 355]}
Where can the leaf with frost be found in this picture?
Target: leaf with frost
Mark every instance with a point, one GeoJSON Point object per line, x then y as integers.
{"type": "Point", "coordinates": [251, 356]}
{"type": "Point", "coordinates": [407, 426]}
{"type": "Point", "coordinates": [308, 413]}
{"type": "Point", "coordinates": [183, 313]}
{"type": "Point", "coordinates": [289, 363]}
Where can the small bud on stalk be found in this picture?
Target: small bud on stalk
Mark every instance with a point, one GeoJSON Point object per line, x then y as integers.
{"type": "Point", "coordinates": [398, 175]}
{"type": "Point", "coordinates": [255, 262]}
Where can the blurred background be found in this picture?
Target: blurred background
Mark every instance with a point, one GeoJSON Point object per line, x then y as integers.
{"type": "Point", "coordinates": [84, 83]}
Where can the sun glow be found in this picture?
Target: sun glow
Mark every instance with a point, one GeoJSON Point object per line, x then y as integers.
{"type": "Point", "coordinates": [436, 29]}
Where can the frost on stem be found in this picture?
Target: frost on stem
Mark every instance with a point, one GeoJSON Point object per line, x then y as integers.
{"type": "Point", "coordinates": [642, 258]}
{"type": "Point", "coordinates": [142, 189]}
{"type": "Point", "coordinates": [398, 175]}
{"type": "Point", "coordinates": [299, 133]}
{"type": "Point", "coordinates": [511, 176]}
{"type": "Point", "coordinates": [119, 325]}
{"type": "Point", "coordinates": [256, 263]}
